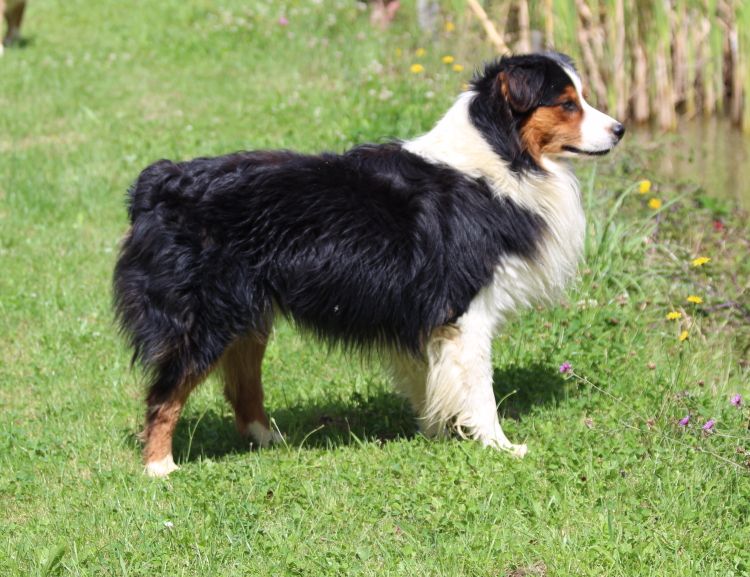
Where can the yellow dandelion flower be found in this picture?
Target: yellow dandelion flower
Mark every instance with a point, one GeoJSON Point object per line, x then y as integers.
{"type": "Point", "coordinates": [416, 69]}
{"type": "Point", "coordinates": [450, 26]}
{"type": "Point", "coordinates": [683, 336]}
{"type": "Point", "coordinates": [701, 260]}
{"type": "Point", "coordinates": [419, 52]}
{"type": "Point", "coordinates": [695, 299]}
{"type": "Point", "coordinates": [399, 52]}
{"type": "Point", "coordinates": [674, 315]}
{"type": "Point", "coordinates": [654, 204]}
{"type": "Point", "coordinates": [458, 68]}
{"type": "Point", "coordinates": [644, 186]}
{"type": "Point", "coordinates": [465, 86]}
{"type": "Point", "coordinates": [448, 59]}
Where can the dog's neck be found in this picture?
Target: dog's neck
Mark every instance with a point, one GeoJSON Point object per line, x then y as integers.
{"type": "Point", "coordinates": [553, 193]}
{"type": "Point", "coordinates": [455, 141]}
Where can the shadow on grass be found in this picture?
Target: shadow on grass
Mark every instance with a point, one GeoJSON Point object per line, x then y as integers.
{"type": "Point", "coordinates": [526, 387]}
{"type": "Point", "coordinates": [21, 42]}
{"type": "Point", "coordinates": [334, 422]}
{"type": "Point", "coordinates": [324, 423]}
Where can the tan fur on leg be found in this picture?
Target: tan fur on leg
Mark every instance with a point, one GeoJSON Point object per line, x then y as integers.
{"type": "Point", "coordinates": [243, 388]}
{"type": "Point", "coordinates": [161, 420]}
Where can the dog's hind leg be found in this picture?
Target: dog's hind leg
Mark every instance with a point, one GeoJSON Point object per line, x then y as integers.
{"type": "Point", "coordinates": [459, 389]}
{"type": "Point", "coordinates": [243, 388]}
{"type": "Point", "coordinates": [164, 404]}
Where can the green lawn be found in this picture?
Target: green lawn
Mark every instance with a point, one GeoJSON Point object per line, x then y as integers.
{"type": "Point", "coordinates": [612, 485]}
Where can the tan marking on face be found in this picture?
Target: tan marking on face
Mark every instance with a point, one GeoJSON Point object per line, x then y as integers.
{"type": "Point", "coordinates": [550, 128]}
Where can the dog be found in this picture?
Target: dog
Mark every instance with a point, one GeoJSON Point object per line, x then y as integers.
{"type": "Point", "coordinates": [13, 11]}
{"type": "Point", "coordinates": [416, 250]}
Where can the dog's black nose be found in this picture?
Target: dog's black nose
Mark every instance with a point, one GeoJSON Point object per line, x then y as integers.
{"type": "Point", "coordinates": [618, 130]}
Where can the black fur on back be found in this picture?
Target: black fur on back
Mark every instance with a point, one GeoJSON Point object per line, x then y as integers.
{"type": "Point", "coordinates": [372, 248]}
{"type": "Point", "coordinates": [533, 80]}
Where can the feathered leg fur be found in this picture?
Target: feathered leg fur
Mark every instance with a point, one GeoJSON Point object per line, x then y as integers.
{"type": "Point", "coordinates": [459, 392]}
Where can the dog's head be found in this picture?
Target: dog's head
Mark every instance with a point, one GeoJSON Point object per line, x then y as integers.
{"type": "Point", "coordinates": [532, 106]}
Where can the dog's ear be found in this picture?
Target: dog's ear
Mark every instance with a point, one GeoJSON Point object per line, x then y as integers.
{"type": "Point", "coordinates": [521, 86]}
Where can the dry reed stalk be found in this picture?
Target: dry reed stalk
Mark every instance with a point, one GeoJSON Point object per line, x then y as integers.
{"type": "Point", "coordinates": [596, 33]}
{"type": "Point", "coordinates": [549, 25]}
{"type": "Point", "coordinates": [641, 109]}
{"type": "Point", "coordinates": [661, 52]}
{"type": "Point", "coordinates": [598, 40]}
{"type": "Point", "coordinates": [707, 81]}
{"type": "Point", "coordinates": [743, 18]}
{"type": "Point", "coordinates": [735, 105]}
{"type": "Point", "coordinates": [489, 28]}
{"type": "Point", "coordinates": [524, 27]}
{"type": "Point", "coordinates": [620, 75]}
{"type": "Point", "coordinates": [679, 54]}
{"type": "Point", "coordinates": [665, 112]}
{"type": "Point", "coordinates": [589, 60]}
{"type": "Point", "coordinates": [732, 68]}
{"type": "Point", "coordinates": [690, 66]}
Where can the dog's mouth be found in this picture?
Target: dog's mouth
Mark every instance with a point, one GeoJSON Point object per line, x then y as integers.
{"type": "Point", "coordinates": [575, 150]}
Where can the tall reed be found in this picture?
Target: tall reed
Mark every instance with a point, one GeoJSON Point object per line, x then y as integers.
{"type": "Point", "coordinates": [644, 59]}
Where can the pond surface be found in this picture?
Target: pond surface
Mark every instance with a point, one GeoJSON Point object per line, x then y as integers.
{"type": "Point", "coordinates": [710, 153]}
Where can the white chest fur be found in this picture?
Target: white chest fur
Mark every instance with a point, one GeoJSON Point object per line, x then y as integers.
{"type": "Point", "coordinates": [518, 282]}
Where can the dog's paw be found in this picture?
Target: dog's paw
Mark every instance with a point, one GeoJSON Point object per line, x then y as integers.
{"type": "Point", "coordinates": [262, 435]}
{"type": "Point", "coordinates": [160, 468]}
{"type": "Point", "coordinates": [517, 451]}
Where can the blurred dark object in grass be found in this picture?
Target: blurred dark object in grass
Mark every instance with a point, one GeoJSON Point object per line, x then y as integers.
{"type": "Point", "coordinates": [13, 12]}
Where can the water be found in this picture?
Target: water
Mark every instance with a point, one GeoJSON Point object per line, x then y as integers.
{"type": "Point", "coordinates": [710, 153]}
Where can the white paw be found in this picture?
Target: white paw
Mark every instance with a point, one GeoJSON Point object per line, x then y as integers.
{"type": "Point", "coordinates": [518, 451]}
{"type": "Point", "coordinates": [262, 435]}
{"type": "Point", "coordinates": [161, 468]}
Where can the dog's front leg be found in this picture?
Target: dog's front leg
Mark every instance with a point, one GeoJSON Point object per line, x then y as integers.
{"type": "Point", "coordinates": [459, 391]}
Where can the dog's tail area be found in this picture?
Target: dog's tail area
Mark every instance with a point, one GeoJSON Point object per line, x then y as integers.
{"type": "Point", "coordinates": [158, 184]}
{"type": "Point", "coordinates": [154, 285]}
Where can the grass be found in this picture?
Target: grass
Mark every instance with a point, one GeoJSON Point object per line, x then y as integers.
{"type": "Point", "coordinates": [611, 486]}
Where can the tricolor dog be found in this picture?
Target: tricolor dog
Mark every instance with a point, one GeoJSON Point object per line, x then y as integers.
{"type": "Point", "coordinates": [417, 251]}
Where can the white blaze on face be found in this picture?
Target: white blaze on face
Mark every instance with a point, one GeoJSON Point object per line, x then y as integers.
{"type": "Point", "coordinates": [597, 129]}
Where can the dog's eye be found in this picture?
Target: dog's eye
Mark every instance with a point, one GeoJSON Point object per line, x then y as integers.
{"type": "Point", "coordinates": [569, 106]}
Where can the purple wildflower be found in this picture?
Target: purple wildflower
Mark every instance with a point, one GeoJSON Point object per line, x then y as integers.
{"type": "Point", "coordinates": [566, 367]}
{"type": "Point", "coordinates": [736, 400]}
{"type": "Point", "coordinates": [709, 425]}
{"type": "Point", "coordinates": [684, 421]}
{"type": "Point", "coordinates": [283, 21]}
